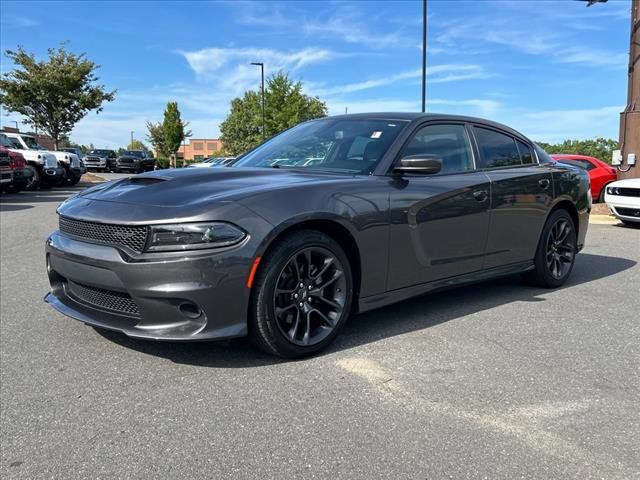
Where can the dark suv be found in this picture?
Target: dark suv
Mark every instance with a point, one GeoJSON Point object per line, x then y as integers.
{"type": "Point", "coordinates": [135, 161]}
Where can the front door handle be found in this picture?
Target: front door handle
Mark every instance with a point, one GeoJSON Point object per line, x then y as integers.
{"type": "Point", "coordinates": [544, 183]}
{"type": "Point", "coordinates": [481, 195]}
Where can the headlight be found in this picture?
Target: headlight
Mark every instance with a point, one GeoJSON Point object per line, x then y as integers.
{"type": "Point", "coordinates": [613, 191]}
{"type": "Point", "coordinates": [193, 236]}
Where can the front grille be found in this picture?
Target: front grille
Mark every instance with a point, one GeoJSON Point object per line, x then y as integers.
{"type": "Point", "coordinates": [126, 160]}
{"type": "Point", "coordinates": [75, 163]}
{"type": "Point", "coordinates": [50, 161]}
{"type": "Point", "coordinates": [628, 212]}
{"type": "Point", "coordinates": [133, 237]}
{"type": "Point", "coordinates": [629, 192]}
{"type": "Point", "coordinates": [103, 299]}
{"type": "Point", "coordinates": [92, 159]}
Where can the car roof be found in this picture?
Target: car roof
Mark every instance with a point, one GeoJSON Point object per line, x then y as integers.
{"type": "Point", "coordinates": [419, 117]}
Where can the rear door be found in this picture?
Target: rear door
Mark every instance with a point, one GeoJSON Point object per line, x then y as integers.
{"type": "Point", "coordinates": [521, 195]}
{"type": "Point", "coordinates": [438, 222]}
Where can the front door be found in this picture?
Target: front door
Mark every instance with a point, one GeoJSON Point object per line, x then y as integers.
{"type": "Point", "coordinates": [439, 222]}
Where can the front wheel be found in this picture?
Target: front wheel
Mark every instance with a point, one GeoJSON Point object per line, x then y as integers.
{"type": "Point", "coordinates": [556, 252]}
{"type": "Point", "coordinates": [302, 295]}
{"type": "Point", "coordinates": [35, 180]}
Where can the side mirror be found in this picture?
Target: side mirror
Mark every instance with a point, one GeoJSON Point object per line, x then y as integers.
{"type": "Point", "coordinates": [424, 164]}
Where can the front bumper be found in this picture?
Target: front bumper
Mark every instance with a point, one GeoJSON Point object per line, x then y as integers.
{"type": "Point", "coordinates": [6, 176]}
{"type": "Point", "coordinates": [176, 296]}
{"type": "Point", "coordinates": [623, 207]}
{"type": "Point", "coordinates": [53, 175]}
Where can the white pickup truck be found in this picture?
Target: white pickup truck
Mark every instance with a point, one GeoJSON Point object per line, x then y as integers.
{"type": "Point", "coordinates": [70, 162]}
{"type": "Point", "coordinates": [44, 165]}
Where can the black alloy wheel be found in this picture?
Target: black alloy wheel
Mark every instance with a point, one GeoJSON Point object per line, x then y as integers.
{"type": "Point", "coordinates": [561, 248]}
{"type": "Point", "coordinates": [309, 296]}
{"type": "Point", "coordinates": [301, 296]}
{"type": "Point", "coordinates": [556, 252]}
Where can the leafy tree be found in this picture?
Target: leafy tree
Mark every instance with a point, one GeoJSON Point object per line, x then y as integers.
{"type": "Point", "coordinates": [174, 129]}
{"type": "Point", "coordinates": [285, 106]}
{"type": "Point", "coordinates": [137, 145]}
{"type": "Point", "coordinates": [600, 148]}
{"type": "Point", "coordinates": [55, 94]}
{"type": "Point", "coordinates": [155, 137]}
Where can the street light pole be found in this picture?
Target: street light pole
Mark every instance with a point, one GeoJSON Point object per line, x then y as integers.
{"type": "Point", "coordinates": [424, 55]}
{"type": "Point", "coordinates": [131, 144]}
{"type": "Point", "coordinates": [262, 76]}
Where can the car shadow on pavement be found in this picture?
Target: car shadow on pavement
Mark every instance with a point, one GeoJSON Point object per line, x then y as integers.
{"type": "Point", "coordinates": [57, 195]}
{"type": "Point", "coordinates": [408, 316]}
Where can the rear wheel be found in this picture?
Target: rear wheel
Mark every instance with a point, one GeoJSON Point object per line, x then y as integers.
{"type": "Point", "coordinates": [556, 252]}
{"type": "Point", "coordinates": [302, 295]}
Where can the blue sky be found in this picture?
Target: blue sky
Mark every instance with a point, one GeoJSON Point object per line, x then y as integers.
{"type": "Point", "coordinates": [551, 69]}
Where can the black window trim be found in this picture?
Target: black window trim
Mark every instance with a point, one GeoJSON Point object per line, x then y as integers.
{"type": "Point", "coordinates": [427, 123]}
{"type": "Point", "coordinates": [510, 135]}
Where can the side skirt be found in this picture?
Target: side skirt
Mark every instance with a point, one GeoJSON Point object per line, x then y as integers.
{"type": "Point", "coordinates": [376, 301]}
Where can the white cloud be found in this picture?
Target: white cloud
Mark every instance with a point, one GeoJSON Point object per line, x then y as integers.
{"type": "Point", "coordinates": [435, 74]}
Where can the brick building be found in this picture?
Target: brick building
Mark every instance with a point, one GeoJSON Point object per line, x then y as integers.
{"type": "Point", "coordinates": [199, 148]}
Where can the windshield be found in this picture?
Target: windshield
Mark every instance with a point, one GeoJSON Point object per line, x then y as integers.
{"type": "Point", "coordinates": [31, 143]}
{"type": "Point", "coordinates": [341, 145]}
{"type": "Point", "coordinates": [133, 153]}
{"type": "Point", "coordinates": [7, 142]}
{"type": "Point", "coordinates": [102, 153]}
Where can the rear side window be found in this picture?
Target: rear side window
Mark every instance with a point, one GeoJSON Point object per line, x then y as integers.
{"type": "Point", "coordinates": [496, 149]}
{"type": "Point", "coordinates": [578, 163]}
{"type": "Point", "coordinates": [450, 143]}
{"type": "Point", "coordinates": [525, 152]}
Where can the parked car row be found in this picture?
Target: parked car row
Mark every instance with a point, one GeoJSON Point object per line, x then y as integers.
{"type": "Point", "coordinates": [32, 166]}
{"type": "Point", "coordinates": [212, 162]}
{"type": "Point", "coordinates": [134, 161]}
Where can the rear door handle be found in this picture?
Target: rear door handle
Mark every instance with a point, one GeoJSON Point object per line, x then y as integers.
{"type": "Point", "coordinates": [544, 183]}
{"type": "Point", "coordinates": [481, 195]}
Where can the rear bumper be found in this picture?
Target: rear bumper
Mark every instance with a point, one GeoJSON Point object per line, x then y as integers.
{"type": "Point", "coordinates": [6, 176]}
{"type": "Point", "coordinates": [153, 298]}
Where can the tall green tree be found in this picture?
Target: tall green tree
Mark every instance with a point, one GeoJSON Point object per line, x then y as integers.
{"type": "Point", "coordinates": [53, 94]}
{"type": "Point", "coordinates": [174, 130]}
{"type": "Point", "coordinates": [155, 137]}
{"type": "Point", "coordinates": [600, 148]}
{"type": "Point", "coordinates": [285, 106]}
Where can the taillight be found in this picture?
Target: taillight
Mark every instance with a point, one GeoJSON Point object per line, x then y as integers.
{"type": "Point", "coordinates": [17, 162]}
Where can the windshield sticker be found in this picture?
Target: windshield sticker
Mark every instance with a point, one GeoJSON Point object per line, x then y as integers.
{"type": "Point", "coordinates": [376, 134]}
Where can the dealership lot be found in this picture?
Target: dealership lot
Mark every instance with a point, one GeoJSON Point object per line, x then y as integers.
{"type": "Point", "coordinates": [496, 380]}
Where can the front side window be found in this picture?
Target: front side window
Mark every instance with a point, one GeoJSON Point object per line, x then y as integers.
{"type": "Point", "coordinates": [31, 143]}
{"type": "Point", "coordinates": [496, 149]}
{"type": "Point", "coordinates": [450, 143]}
{"type": "Point", "coordinates": [341, 145]}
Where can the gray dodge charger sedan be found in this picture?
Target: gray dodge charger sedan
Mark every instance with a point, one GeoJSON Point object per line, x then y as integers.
{"type": "Point", "coordinates": [334, 216]}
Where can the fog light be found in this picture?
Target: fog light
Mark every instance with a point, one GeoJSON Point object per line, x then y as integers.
{"type": "Point", "coordinates": [190, 310]}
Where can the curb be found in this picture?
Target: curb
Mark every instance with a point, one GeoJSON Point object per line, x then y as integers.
{"type": "Point", "coordinates": [603, 220]}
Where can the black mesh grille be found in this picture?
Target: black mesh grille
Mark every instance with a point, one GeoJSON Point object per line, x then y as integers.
{"type": "Point", "coordinates": [103, 299]}
{"type": "Point", "coordinates": [629, 192]}
{"type": "Point", "coordinates": [133, 237]}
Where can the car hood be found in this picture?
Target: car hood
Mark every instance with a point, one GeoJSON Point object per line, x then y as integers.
{"type": "Point", "coordinates": [191, 186]}
{"type": "Point", "coordinates": [626, 183]}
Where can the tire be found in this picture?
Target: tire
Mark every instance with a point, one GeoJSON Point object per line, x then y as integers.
{"type": "Point", "coordinates": [298, 327]}
{"type": "Point", "coordinates": [556, 252]}
{"type": "Point", "coordinates": [73, 180]}
{"type": "Point", "coordinates": [36, 178]}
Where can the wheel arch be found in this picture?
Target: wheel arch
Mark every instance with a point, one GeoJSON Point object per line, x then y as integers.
{"type": "Point", "coordinates": [568, 205]}
{"type": "Point", "coordinates": [331, 226]}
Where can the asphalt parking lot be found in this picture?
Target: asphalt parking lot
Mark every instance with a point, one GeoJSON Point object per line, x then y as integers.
{"type": "Point", "coordinates": [496, 380]}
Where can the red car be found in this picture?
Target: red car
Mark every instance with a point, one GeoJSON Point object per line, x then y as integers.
{"type": "Point", "coordinates": [21, 176]}
{"type": "Point", "coordinates": [600, 173]}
